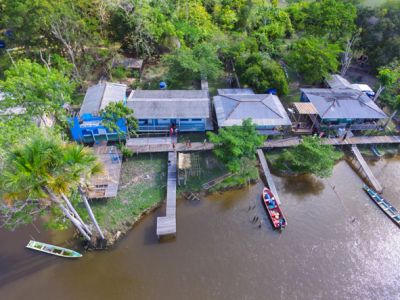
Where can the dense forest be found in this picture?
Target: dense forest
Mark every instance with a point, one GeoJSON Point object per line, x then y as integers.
{"type": "Point", "coordinates": [265, 42]}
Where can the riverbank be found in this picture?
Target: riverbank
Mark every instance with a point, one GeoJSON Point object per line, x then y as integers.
{"type": "Point", "coordinates": [142, 189]}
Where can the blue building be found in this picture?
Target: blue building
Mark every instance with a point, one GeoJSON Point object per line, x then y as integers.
{"type": "Point", "coordinates": [87, 126]}
{"type": "Point", "coordinates": [159, 110]}
{"type": "Point", "coordinates": [341, 108]}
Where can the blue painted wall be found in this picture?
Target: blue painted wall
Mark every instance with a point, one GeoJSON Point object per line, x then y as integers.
{"type": "Point", "coordinates": [183, 125]}
{"type": "Point", "coordinates": [89, 129]}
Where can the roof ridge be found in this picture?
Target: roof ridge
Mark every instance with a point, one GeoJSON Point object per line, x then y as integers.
{"type": "Point", "coordinates": [367, 104]}
{"type": "Point", "coordinates": [270, 96]}
{"type": "Point", "coordinates": [102, 95]}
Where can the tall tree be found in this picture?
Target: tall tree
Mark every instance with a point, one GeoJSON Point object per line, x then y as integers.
{"type": "Point", "coordinates": [39, 90]}
{"type": "Point", "coordinates": [313, 58]}
{"type": "Point", "coordinates": [234, 143]}
{"type": "Point", "coordinates": [310, 156]}
{"type": "Point", "coordinates": [261, 72]}
{"type": "Point", "coordinates": [332, 18]}
{"type": "Point", "coordinates": [388, 76]}
{"type": "Point", "coordinates": [114, 113]}
{"type": "Point", "coordinates": [43, 171]}
{"type": "Point", "coordinates": [187, 64]}
{"type": "Point", "coordinates": [380, 35]}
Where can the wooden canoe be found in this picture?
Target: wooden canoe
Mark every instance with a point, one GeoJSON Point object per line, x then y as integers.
{"type": "Point", "coordinates": [54, 250]}
{"type": "Point", "coordinates": [384, 205]}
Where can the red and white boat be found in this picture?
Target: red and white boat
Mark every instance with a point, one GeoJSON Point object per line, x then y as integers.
{"type": "Point", "coordinates": [274, 211]}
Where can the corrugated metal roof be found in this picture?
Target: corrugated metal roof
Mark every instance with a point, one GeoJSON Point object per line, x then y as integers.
{"type": "Point", "coordinates": [100, 95]}
{"type": "Point", "coordinates": [343, 104]}
{"type": "Point", "coordinates": [222, 92]}
{"type": "Point", "coordinates": [263, 109]}
{"type": "Point", "coordinates": [305, 108]}
{"type": "Point", "coordinates": [338, 82]}
{"type": "Point", "coordinates": [169, 104]}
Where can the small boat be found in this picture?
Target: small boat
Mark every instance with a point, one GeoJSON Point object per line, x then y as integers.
{"type": "Point", "coordinates": [274, 211]}
{"type": "Point", "coordinates": [54, 250]}
{"type": "Point", "coordinates": [387, 208]}
{"type": "Point", "coordinates": [375, 151]}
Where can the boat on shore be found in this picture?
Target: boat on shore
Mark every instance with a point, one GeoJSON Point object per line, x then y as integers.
{"type": "Point", "coordinates": [384, 205]}
{"type": "Point", "coordinates": [54, 250]}
{"type": "Point", "coordinates": [274, 211]}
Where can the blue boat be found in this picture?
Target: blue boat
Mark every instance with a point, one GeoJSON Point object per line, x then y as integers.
{"type": "Point", "coordinates": [375, 151]}
{"type": "Point", "coordinates": [387, 208]}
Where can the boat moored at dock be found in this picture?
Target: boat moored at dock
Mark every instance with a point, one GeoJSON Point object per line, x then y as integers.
{"type": "Point", "coordinates": [274, 211]}
{"type": "Point", "coordinates": [384, 205]}
{"type": "Point", "coordinates": [54, 250]}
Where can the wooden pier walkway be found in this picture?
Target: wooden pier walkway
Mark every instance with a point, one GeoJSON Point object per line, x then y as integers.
{"type": "Point", "coordinates": [150, 145]}
{"type": "Point", "coordinates": [167, 225]}
{"type": "Point", "coordinates": [355, 140]}
{"type": "Point", "coordinates": [268, 176]}
{"type": "Point", "coordinates": [366, 171]}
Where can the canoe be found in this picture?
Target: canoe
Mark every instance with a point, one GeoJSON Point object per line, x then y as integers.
{"type": "Point", "coordinates": [375, 151]}
{"type": "Point", "coordinates": [274, 211]}
{"type": "Point", "coordinates": [54, 250]}
{"type": "Point", "coordinates": [384, 205]}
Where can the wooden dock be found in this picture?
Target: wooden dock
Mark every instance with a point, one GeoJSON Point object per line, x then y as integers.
{"type": "Point", "coordinates": [165, 144]}
{"type": "Point", "coordinates": [365, 170]}
{"type": "Point", "coordinates": [167, 225]}
{"type": "Point", "coordinates": [355, 140]}
{"type": "Point", "coordinates": [268, 176]}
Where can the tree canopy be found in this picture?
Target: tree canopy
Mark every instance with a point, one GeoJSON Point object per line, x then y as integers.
{"type": "Point", "coordinates": [115, 111]}
{"type": "Point", "coordinates": [39, 90]}
{"type": "Point", "coordinates": [313, 58]}
{"type": "Point", "coordinates": [236, 142]}
{"type": "Point", "coordinates": [310, 156]}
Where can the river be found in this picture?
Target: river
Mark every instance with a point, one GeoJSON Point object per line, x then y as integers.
{"type": "Point", "coordinates": [337, 245]}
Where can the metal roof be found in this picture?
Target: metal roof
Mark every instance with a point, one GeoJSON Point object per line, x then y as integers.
{"type": "Point", "coordinates": [343, 104]}
{"type": "Point", "coordinates": [263, 109]}
{"type": "Point", "coordinates": [305, 108]}
{"type": "Point", "coordinates": [338, 82]}
{"type": "Point", "coordinates": [169, 104]}
{"type": "Point", "coordinates": [100, 95]}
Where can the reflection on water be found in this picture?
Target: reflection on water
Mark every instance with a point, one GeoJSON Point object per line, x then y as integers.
{"type": "Point", "coordinates": [338, 245]}
{"type": "Point", "coordinates": [303, 185]}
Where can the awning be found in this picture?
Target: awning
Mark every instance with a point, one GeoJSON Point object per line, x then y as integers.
{"type": "Point", "coordinates": [305, 108]}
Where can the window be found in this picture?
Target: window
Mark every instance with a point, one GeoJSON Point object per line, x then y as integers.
{"type": "Point", "coordinates": [184, 120]}
{"type": "Point", "coordinates": [197, 120]}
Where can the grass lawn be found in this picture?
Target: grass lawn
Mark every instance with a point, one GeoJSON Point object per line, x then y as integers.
{"type": "Point", "coordinates": [142, 186]}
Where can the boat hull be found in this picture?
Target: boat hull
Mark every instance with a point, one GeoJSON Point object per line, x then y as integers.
{"type": "Point", "coordinates": [274, 211]}
{"type": "Point", "coordinates": [53, 250]}
{"type": "Point", "coordinates": [384, 205]}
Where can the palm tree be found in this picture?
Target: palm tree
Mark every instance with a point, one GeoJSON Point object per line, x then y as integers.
{"type": "Point", "coordinates": [45, 168]}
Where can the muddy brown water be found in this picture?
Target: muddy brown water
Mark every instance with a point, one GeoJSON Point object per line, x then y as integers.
{"type": "Point", "coordinates": [337, 245]}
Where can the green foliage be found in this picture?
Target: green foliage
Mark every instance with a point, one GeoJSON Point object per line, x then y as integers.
{"type": "Point", "coordinates": [261, 72]}
{"type": "Point", "coordinates": [268, 24]}
{"type": "Point", "coordinates": [126, 152]}
{"type": "Point", "coordinates": [313, 58]}
{"type": "Point", "coordinates": [119, 73]}
{"type": "Point", "coordinates": [39, 164]}
{"type": "Point", "coordinates": [187, 64]}
{"type": "Point", "coordinates": [380, 35]}
{"type": "Point", "coordinates": [236, 142]}
{"type": "Point", "coordinates": [334, 19]}
{"type": "Point", "coordinates": [389, 78]}
{"type": "Point", "coordinates": [116, 111]}
{"type": "Point", "coordinates": [310, 156]}
{"type": "Point", "coordinates": [37, 89]}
